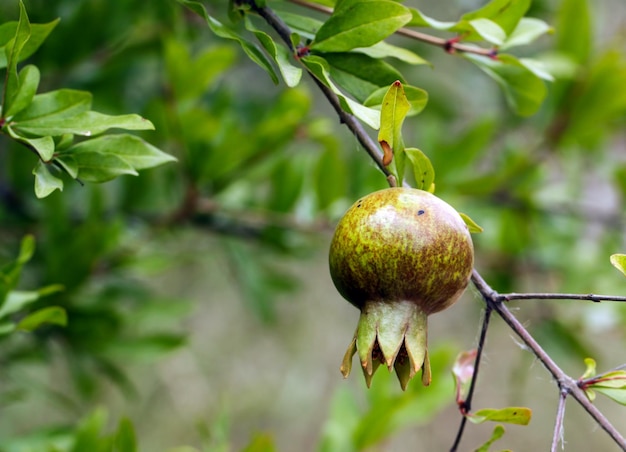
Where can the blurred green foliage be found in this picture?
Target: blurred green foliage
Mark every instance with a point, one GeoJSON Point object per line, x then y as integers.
{"type": "Point", "coordinates": [265, 169]}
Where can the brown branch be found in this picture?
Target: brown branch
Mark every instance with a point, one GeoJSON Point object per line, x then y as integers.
{"type": "Point", "coordinates": [449, 45]}
{"type": "Point", "coordinates": [560, 296]}
{"type": "Point", "coordinates": [565, 382]}
{"type": "Point", "coordinates": [557, 436]}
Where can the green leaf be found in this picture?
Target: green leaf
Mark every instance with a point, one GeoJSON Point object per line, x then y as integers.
{"type": "Point", "coordinates": [498, 432]}
{"type": "Point", "coordinates": [509, 415]}
{"type": "Point", "coordinates": [573, 30]}
{"type": "Point", "coordinates": [87, 123]}
{"type": "Point", "coordinates": [253, 52]}
{"type": "Point", "coordinates": [62, 103]}
{"type": "Point", "coordinates": [52, 315]}
{"type": "Point", "coordinates": [360, 24]}
{"type": "Point", "coordinates": [191, 77]}
{"type": "Point", "coordinates": [528, 30]}
{"type": "Point", "coordinates": [133, 150]}
{"type": "Point", "coordinates": [617, 394]}
{"type": "Point", "coordinates": [419, 19]}
{"type": "Point", "coordinates": [291, 74]}
{"type": "Point", "coordinates": [329, 183]}
{"type": "Point", "coordinates": [88, 435]}
{"type": "Point", "coordinates": [385, 50]}
{"type": "Point", "coordinates": [423, 170]}
{"type": "Point", "coordinates": [13, 50]}
{"type": "Point", "coordinates": [488, 30]}
{"type": "Point", "coordinates": [10, 273]}
{"type": "Point", "coordinates": [19, 299]}
{"type": "Point", "coordinates": [417, 98]}
{"type": "Point", "coordinates": [394, 109]}
{"type": "Point", "coordinates": [94, 166]}
{"type": "Point", "coordinates": [505, 13]}
{"type": "Point", "coordinates": [45, 183]}
{"type": "Point", "coordinates": [473, 227]}
{"type": "Point", "coordinates": [360, 74]}
{"type": "Point", "coordinates": [28, 81]}
{"type": "Point", "coordinates": [125, 438]}
{"type": "Point", "coordinates": [38, 34]}
{"type": "Point", "coordinates": [619, 261]}
{"type": "Point", "coordinates": [524, 91]}
{"type": "Point", "coordinates": [590, 369]}
{"type": "Point", "coordinates": [260, 443]}
{"type": "Point", "coordinates": [320, 69]}
{"type": "Point", "coordinates": [44, 146]}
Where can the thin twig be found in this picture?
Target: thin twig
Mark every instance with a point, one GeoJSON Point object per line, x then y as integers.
{"type": "Point", "coordinates": [559, 296]}
{"type": "Point", "coordinates": [565, 382]}
{"type": "Point", "coordinates": [557, 436]}
{"type": "Point", "coordinates": [449, 45]}
{"type": "Point", "coordinates": [467, 403]}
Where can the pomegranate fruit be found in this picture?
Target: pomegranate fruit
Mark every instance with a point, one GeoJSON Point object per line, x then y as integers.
{"type": "Point", "coordinates": [398, 255]}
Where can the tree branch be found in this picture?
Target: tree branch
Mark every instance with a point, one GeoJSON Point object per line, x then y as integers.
{"type": "Point", "coordinates": [560, 296]}
{"type": "Point", "coordinates": [467, 404]}
{"type": "Point", "coordinates": [565, 382]}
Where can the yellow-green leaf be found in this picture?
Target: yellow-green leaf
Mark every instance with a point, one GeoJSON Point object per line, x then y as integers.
{"type": "Point", "coordinates": [473, 227]}
{"type": "Point", "coordinates": [510, 415]}
{"type": "Point", "coordinates": [619, 262]}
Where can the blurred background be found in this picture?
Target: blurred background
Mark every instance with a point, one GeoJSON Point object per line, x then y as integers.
{"type": "Point", "coordinates": [198, 296]}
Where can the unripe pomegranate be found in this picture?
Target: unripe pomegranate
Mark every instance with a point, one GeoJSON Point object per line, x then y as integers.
{"type": "Point", "coordinates": [398, 255]}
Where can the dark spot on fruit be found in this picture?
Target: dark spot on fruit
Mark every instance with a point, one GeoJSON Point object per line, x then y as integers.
{"type": "Point", "coordinates": [420, 212]}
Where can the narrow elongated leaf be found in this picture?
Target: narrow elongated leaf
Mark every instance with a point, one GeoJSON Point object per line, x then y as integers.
{"type": "Point", "coordinates": [509, 415]}
{"type": "Point", "coordinates": [38, 34]}
{"type": "Point", "coordinates": [51, 315]}
{"type": "Point", "coordinates": [319, 67]}
{"type": "Point", "coordinates": [505, 13]}
{"type": "Point", "coordinates": [10, 273]}
{"type": "Point", "coordinates": [394, 108]}
{"type": "Point", "coordinates": [28, 81]}
{"type": "Point", "coordinates": [488, 30]}
{"type": "Point", "coordinates": [473, 227]}
{"type": "Point", "coordinates": [524, 91]}
{"type": "Point", "coordinates": [253, 52]}
{"type": "Point", "coordinates": [360, 24]}
{"type": "Point", "coordinates": [87, 123]}
{"type": "Point", "coordinates": [125, 438]}
{"type": "Point", "coordinates": [498, 432]}
{"type": "Point", "coordinates": [133, 150]}
{"type": "Point", "coordinates": [19, 299]}
{"type": "Point", "coordinates": [45, 183]}
{"type": "Point", "coordinates": [417, 98]}
{"type": "Point", "coordinates": [291, 74]}
{"type": "Point", "coordinates": [419, 19]}
{"type": "Point", "coordinates": [573, 30]}
{"type": "Point", "coordinates": [527, 30]}
{"type": "Point", "coordinates": [619, 261]}
{"type": "Point", "coordinates": [423, 170]}
{"type": "Point", "coordinates": [13, 50]}
{"type": "Point", "coordinates": [383, 49]}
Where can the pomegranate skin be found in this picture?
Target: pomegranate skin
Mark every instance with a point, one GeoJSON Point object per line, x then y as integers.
{"type": "Point", "coordinates": [401, 244]}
